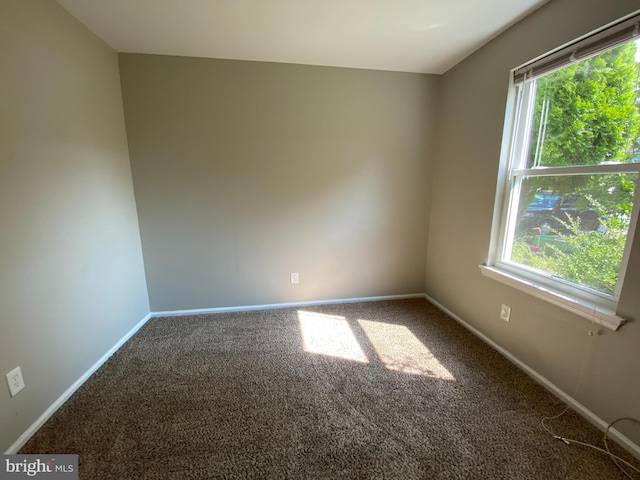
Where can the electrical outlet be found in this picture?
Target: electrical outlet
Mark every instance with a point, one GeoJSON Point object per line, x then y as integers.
{"type": "Point", "coordinates": [505, 312]}
{"type": "Point", "coordinates": [294, 277]}
{"type": "Point", "coordinates": [15, 381]}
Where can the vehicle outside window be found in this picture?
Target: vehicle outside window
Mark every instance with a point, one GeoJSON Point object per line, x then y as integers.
{"type": "Point", "coordinates": [549, 212]}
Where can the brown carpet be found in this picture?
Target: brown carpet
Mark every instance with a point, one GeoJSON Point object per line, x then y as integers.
{"type": "Point", "coordinates": [381, 390]}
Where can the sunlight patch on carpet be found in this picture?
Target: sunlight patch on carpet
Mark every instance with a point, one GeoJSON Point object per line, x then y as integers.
{"type": "Point", "coordinates": [329, 335]}
{"type": "Point", "coordinates": [400, 350]}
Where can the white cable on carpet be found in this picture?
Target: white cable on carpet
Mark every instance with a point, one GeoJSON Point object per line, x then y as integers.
{"type": "Point", "coordinates": [568, 441]}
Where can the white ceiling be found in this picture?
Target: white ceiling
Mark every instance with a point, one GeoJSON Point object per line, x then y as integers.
{"type": "Point", "coordinates": [426, 36]}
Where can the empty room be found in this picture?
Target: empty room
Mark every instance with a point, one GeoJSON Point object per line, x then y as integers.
{"type": "Point", "coordinates": [320, 239]}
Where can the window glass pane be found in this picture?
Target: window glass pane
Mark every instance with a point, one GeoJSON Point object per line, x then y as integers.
{"type": "Point", "coordinates": [587, 113]}
{"type": "Point", "coordinates": [573, 227]}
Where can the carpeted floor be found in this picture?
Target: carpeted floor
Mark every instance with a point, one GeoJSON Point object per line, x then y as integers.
{"type": "Point", "coordinates": [381, 390]}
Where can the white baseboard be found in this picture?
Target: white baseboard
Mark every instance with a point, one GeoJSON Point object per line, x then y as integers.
{"type": "Point", "coordinates": [591, 417]}
{"type": "Point", "coordinates": [244, 308]}
{"type": "Point", "coordinates": [18, 444]}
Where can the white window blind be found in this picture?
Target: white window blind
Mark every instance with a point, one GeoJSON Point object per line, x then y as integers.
{"type": "Point", "coordinates": [609, 37]}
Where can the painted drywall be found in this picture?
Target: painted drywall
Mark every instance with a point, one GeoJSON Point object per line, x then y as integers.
{"type": "Point", "coordinates": [245, 172]}
{"type": "Point", "coordinates": [71, 272]}
{"type": "Point", "coordinates": [550, 340]}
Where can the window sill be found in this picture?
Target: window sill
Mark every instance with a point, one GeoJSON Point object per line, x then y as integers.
{"type": "Point", "coordinates": [595, 313]}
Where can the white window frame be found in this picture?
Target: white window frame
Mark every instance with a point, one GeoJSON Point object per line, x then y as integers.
{"type": "Point", "coordinates": [595, 306]}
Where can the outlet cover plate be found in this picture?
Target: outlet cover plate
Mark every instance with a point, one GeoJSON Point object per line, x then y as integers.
{"type": "Point", "coordinates": [295, 278]}
{"type": "Point", "coordinates": [505, 312]}
{"type": "Point", "coordinates": [15, 381]}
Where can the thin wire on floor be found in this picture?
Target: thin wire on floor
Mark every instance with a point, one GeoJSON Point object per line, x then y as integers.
{"type": "Point", "coordinates": [618, 461]}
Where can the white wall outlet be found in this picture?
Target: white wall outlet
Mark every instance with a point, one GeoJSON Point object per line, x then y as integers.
{"type": "Point", "coordinates": [15, 381]}
{"type": "Point", "coordinates": [294, 277]}
{"type": "Point", "coordinates": [505, 312]}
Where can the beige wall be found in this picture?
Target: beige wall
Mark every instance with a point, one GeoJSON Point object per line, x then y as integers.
{"type": "Point", "coordinates": [550, 340]}
{"type": "Point", "coordinates": [71, 273]}
{"type": "Point", "coordinates": [245, 172]}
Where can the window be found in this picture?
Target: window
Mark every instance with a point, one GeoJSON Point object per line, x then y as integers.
{"type": "Point", "coordinates": [565, 209]}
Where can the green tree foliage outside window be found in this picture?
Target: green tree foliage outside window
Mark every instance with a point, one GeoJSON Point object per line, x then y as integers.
{"type": "Point", "coordinates": [592, 111]}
